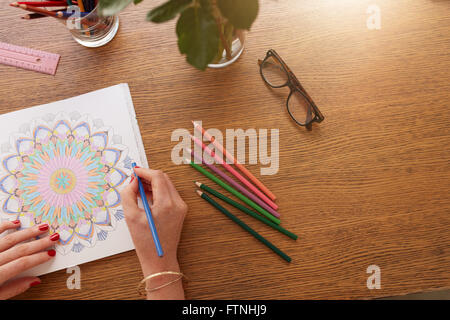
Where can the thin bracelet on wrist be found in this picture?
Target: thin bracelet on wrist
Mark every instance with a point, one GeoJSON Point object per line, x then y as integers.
{"type": "Point", "coordinates": [149, 277]}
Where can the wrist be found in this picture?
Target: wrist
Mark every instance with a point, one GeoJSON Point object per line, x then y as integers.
{"type": "Point", "coordinates": [160, 264]}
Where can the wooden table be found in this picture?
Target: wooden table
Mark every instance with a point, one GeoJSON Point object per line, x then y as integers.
{"type": "Point", "coordinates": [370, 185]}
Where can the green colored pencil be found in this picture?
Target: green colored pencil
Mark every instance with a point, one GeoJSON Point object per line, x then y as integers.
{"type": "Point", "coordinates": [246, 210]}
{"type": "Point", "coordinates": [235, 192]}
{"type": "Point", "coordinates": [244, 226]}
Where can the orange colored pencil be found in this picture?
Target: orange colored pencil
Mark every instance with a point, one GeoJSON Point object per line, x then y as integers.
{"type": "Point", "coordinates": [80, 4]}
{"type": "Point", "coordinates": [35, 15]}
{"type": "Point", "coordinates": [230, 157]}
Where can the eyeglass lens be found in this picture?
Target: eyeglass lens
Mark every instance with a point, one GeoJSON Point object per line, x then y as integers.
{"type": "Point", "coordinates": [273, 72]}
{"type": "Point", "coordinates": [300, 108]}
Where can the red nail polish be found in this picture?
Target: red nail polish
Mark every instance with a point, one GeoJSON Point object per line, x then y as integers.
{"type": "Point", "coordinates": [16, 222]}
{"type": "Point", "coordinates": [132, 178]}
{"type": "Point", "coordinates": [44, 227]}
{"type": "Point", "coordinates": [54, 237]}
{"type": "Point", "coordinates": [51, 252]}
{"type": "Point", "coordinates": [35, 283]}
{"type": "Point", "coordinates": [137, 167]}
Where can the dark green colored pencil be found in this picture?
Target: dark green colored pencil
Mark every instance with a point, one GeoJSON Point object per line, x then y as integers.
{"type": "Point", "coordinates": [232, 190]}
{"type": "Point", "coordinates": [246, 210]}
{"type": "Point", "coordinates": [244, 226]}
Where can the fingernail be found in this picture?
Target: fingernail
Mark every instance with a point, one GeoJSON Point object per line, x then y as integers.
{"type": "Point", "coordinates": [35, 283]}
{"type": "Point", "coordinates": [43, 227]}
{"type": "Point", "coordinates": [137, 167]}
{"type": "Point", "coordinates": [54, 237]}
{"type": "Point", "coordinates": [51, 252]}
{"type": "Point", "coordinates": [132, 178]}
{"type": "Point", "coordinates": [16, 222]}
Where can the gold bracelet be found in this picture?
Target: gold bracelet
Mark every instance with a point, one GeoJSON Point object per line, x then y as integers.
{"type": "Point", "coordinates": [181, 275]}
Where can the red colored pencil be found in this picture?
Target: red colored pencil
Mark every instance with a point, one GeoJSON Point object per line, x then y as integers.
{"type": "Point", "coordinates": [35, 9]}
{"type": "Point", "coordinates": [44, 3]}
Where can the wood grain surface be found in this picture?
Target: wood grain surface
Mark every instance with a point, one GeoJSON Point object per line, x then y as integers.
{"type": "Point", "coordinates": [369, 185]}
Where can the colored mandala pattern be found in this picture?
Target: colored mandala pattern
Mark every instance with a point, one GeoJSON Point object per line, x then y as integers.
{"type": "Point", "coordinates": [67, 173]}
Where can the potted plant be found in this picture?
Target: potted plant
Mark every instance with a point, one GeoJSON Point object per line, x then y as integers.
{"type": "Point", "coordinates": [210, 32]}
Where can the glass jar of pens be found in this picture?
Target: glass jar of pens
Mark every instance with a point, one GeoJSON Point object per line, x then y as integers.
{"type": "Point", "coordinates": [81, 17]}
{"type": "Point", "coordinates": [89, 28]}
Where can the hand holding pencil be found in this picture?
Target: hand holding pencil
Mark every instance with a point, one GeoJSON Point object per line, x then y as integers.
{"type": "Point", "coordinates": [168, 210]}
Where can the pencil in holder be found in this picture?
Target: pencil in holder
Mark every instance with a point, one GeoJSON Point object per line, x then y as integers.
{"type": "Point", "coordinates": [90, 29]}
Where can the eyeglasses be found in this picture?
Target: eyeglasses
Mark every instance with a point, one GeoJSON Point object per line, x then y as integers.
{"type": "Point", "coordinates": [300, 106]}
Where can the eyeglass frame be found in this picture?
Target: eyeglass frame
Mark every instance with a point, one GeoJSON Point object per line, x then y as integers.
{"type": "Point", "coordinates": [294, 85]}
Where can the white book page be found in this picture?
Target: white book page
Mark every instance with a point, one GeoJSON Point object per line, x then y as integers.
{"type": "Point", "coordinates": [64, 163]}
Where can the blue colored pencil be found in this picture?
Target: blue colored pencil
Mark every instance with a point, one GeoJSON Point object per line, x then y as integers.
{"type": "Point", "coordinates": [148, 213]}
{"type": "Point", "coordinates": [65, 14]}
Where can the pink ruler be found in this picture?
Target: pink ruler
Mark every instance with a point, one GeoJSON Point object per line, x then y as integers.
{"type": "Point", "coordinates": [29, 59]}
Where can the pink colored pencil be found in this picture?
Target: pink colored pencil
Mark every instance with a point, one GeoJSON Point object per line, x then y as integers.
{"type": "Point", "coordinates": [230, 157]}
{"type": "Point", "coordinates": [236, 185]}
{"type": "Point", "coordinates": [235, 173]}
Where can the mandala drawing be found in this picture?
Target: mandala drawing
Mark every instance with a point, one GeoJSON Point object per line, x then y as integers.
{"type": "Point", "coordinates": [65, 171]}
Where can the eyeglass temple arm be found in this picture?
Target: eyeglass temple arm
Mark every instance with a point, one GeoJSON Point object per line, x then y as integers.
{"type": "Point", "coordinates": [298, 84]}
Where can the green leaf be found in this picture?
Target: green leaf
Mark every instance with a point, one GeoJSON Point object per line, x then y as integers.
{"type": "Point", "coordinates": [168, 10]}
{"type": "Point", "coordinates": [241, 13]}
{"type": "Point", "coordinates": [205, 4]}
{"type": "Point", "coordinates": [198, 36]}
{"type": "Point", "coordinates": [112, 7]}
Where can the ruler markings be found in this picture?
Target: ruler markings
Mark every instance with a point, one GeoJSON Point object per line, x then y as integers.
{"type": "Point", "coordinates": [27, 58]}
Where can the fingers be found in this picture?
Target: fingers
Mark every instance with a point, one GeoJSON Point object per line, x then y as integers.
{"type": "Point", "coordinates": [173, 191]}
{"type": "Point", "coordinates": [18, 286]}
{"type": "Point", "coordinates": [181, 206]}
{"type": "Point", "coordinates": [28, 248]}
{"type": "Point", "coordinates": [129, 195]}
{"type": "Point", "coordinates": [163, 193]}
{"type": "Point", "coordinates": [17, 237]}
{"type": "Point", "coordinates": [8, 225]}
{"type": "Point", "coordinates": [16, 267]}
{"type": "Point", "coordinates": [158, 182]}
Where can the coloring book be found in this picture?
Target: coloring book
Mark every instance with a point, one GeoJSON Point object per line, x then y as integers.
{"type": "Point", "coordinates": [64, 163]}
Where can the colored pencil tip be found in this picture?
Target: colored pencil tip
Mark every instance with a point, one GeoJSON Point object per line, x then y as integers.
{"type": "Point", "coordinates": [199, 193]}
{"type": "Point", "coordinates": [133, 164]}
{"type": "Point", "coordinates": [199, 184]}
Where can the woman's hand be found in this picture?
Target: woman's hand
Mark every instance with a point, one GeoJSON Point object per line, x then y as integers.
{"type": "Point", "coordinates": [168, 210]}
{"type": "Point", "coordinates": [17, 257]}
